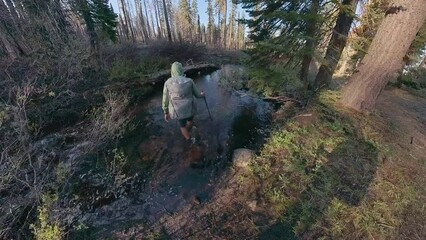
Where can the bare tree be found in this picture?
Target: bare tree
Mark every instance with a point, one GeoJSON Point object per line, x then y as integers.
{"type": "Point", "coordinates": [169, 33]}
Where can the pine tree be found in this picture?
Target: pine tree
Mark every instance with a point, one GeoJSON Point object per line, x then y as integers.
{"type": "Point", "coordinates": [221, 21]}
{"type": "Point", "coordinates": [141, 20]}
{"type": "Point", "coordinates": [104, 16]}
{"type": "Point", "coordinates": [224, 25]}
{"type": "Point", "coordinates": [157, 18]}
{"type": "Point", "coordinates": [199, 33]}
{"type": "Point", "coordinates": [124, 20]}
{"type": "Point", "coordinates": [337, 42]}
{"type": "Point", "coordinates": [241, 34]}
{"type": "Point", "coordinates": [210, 24]}
{"type": "Point", "coordinates": [169, 32]}
{"type": "Point", "coordinates": [385, 56]}
{"type": "Point", "coordinates": [373, 14]}
{"type": "Point", "coordinates": [231, 28]}
{"type": "Point", "coordinates": [185, 19]}
{"type": "Point", "coordinates": [84, 9]}
{"type": "Point", "coordinates": [194, 17]}
{"type": "Point", "coordinates": [311, 41]}
{"type": "Point", "coordinates": [172, 19]}
{"type": "Point", "coordinates": [148, 24]}
{"type": "Point", "coordinates": [281, 31]}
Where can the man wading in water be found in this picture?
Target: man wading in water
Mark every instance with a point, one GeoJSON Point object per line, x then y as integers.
{"type": "Point", "coordinates": [178, 99]}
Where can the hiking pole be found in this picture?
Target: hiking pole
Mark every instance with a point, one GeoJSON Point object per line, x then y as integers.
{"type": "Point", "coordinates": [208, 108]}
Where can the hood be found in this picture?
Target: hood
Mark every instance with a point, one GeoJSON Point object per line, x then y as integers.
{"type": "Point", "coordinates": [177, 69]}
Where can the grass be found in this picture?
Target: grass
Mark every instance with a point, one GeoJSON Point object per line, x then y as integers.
{"type": "Point", "coordinates": [326, 178]}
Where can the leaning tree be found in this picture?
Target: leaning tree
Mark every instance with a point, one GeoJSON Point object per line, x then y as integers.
{"type": "Point", "coordinates": [384, 59]}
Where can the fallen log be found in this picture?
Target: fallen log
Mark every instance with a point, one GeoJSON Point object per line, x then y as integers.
{"type": "Point", "coordinates": [277, 99]}
{"type": "Point", "coordinates": [190, 71]}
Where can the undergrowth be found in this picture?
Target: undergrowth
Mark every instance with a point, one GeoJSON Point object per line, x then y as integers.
{"type": "Point", "coordinates": [414, 81]}
{"type": "Point", "coordinates": [275, 80]}
{"type": "Point", "coordinates": [125, 70]}
{"type": "Point", "coordinates": [324, 176]}
{"type": "Point", "coordinates": [46, 228]}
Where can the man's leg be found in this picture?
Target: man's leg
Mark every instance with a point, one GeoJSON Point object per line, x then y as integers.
{"type": "Point", "coordinates": [189, 125]}
{"type": "Point", "coordinates": [185, 132]}
{"type": "Point", "coordinates": [183, 127]}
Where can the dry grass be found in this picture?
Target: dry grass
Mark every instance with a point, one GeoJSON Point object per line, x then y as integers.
{"type": "Point", "coordinates": [336, 176]}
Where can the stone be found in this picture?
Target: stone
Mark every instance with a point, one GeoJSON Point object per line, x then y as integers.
{"type": "Point", "coordinates": [242, 157]}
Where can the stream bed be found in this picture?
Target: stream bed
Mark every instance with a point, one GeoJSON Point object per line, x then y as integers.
{"type": "Point", "coordinates": [181, 173]}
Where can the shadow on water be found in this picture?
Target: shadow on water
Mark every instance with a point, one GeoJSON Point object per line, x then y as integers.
{"type": "Point", "coordinates": [346, 177]}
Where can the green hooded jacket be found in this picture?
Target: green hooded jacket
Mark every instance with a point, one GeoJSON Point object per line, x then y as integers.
{"type": "Point", "coordinates": [178, 94]}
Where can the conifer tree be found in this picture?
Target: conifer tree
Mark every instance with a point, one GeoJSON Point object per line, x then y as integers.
{"type": "Point", "coordinates": [169, 33]}
{"type": "Point", "coordinates": [337, 42]}
{"type": "Point", "coordinates": [141, 20]}
{"type": "Point", "coordinates": [283, 31]}
{"type": "Point", "coordinates": [384, 59]}
{"type": "Point", "coordinates": [210, 24]}
{"type": "Point", "coordinates": [83, 8]}
{"type": "Point", "coordinates": [104, 16]}
{"type": "Point", "coordinates": [194, 16]}
{"type": "Point", "coordinates": [185, 19]}
{"type": "Point", "coordinates": [231, 28]}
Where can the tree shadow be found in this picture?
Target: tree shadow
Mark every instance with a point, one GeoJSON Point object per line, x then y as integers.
{"type": "Point", "coordinates": [346, 176]}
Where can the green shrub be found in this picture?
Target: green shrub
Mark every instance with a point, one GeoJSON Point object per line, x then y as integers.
{"type": "Point", "coordinates": [275, 81]}
{"type": "Point", "coordinates": [46, 229]}
{"type": "Point", "coordinates": [123, 70]}
{"type": "Point", "coordinates": [3, 115]}
{"type": "Point", "coordinates": [415, 79]}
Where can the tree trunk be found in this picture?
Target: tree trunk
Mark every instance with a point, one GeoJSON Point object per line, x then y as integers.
{"type": "Point", "coordinates": [218, 30]}
{"type": "Point", "coordinates": [141, 20]}
{"type": "Point", "coordinates": [336, 44]}
{"type": "Point", "coordinates": [123, 18]}
{"type": "Point", "coordinates": [129, 20]}
{"type": "Point", "coordinates": [310, 42]}
{"type": "Point", "coordinates": [169, 33]}
{"type": "Point", "coordinates": [200, 36]}
{"type": "Point", "coordinates": [83, 8]}
{"type": "Point", "coordinates": [157, 19]}
{"type": "Point", "coordinates": [148, 27]}
{"type": "Point", "coordinates": [384, 59]}
{"type": "Point", "coordinates": [225, 14]}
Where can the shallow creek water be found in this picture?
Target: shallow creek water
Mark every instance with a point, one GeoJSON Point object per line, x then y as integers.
{"type": "Point", "coordinates": [181, 172]}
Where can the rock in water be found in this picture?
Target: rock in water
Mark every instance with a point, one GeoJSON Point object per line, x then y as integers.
{"type": "Point", "coordinates": [242, 157]}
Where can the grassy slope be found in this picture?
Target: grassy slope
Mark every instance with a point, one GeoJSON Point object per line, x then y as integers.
{"type": "Point", "coordinates": [335, 175]}
{"type": "Point", "coordinates": [324, 174]}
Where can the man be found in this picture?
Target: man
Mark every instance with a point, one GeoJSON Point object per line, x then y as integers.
{"type": "Point", "coordinates": [178, 99]}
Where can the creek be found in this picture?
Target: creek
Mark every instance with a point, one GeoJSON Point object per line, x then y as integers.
{"type": "Point", "coordinates": [178, 173]}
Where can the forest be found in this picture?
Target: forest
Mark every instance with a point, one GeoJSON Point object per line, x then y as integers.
{"type": "Point", "coordinates": [309, 120]}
